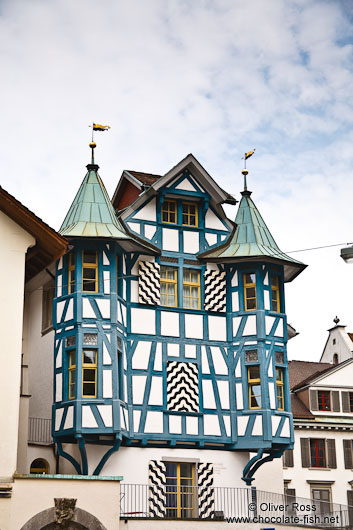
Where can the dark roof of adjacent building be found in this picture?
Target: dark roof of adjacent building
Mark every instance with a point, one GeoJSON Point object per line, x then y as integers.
{"type": "Point", "coordinates": [301, 372]}
{"type": "Point", "coordinates": [299, 410]}
{"type": "Point", "coordinates": [49, 244]}
{"type": "Point", "coordinates": [144, 178]}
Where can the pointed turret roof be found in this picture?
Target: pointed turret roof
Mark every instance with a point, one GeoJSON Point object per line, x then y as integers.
{"type": "Point", "coordinates": [251, 240]}
{"type": "Point", "coordinates": [92, 214]}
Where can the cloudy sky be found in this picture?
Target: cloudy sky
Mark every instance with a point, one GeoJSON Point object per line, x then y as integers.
{"type": "Point", "coordinates": [211, 77]}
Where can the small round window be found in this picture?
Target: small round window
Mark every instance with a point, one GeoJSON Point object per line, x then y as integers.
{"type": "Point", "coordinates": [39, 466]}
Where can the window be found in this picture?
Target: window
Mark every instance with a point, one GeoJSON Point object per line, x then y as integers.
{"type": "Point", "coordinates": [89, 271]}
{"type": "Point", "coordinates": [347, 401]}
{"type": "Point", "coordinates": [288, 460]}
{"type": "Point", "coordinates": [254, 387]}
{"type": "Point", "coordinates": [333, 341]}
{"type": "Point", "coordinates": [251, 356]}
{"type": "Point", "coordinates": [318, 452]}
{"type": "Point", "coordinates": [169, 286]}
{"type": "Point", "coordinates": [71, 275]}
{"type": "Point", "coordinates": [279, 357]}
{"type": "Point", "coordinates": [348, 454]}
{"type": "Point", "coordinates": [324, 400]}
{"type": "Point", "coordinates": [191, 289]}
{"type": "Point", "coordinates": [275, 301]}
{"type": "Point", "coordinates": [169, 212]}
{"type": "Point", "coordinates": [39, 466]}
{"type": "Point", "coordinates": [47, 305]}
{"type": "Point", "coordinates": [279, 387]}
{"type": "Point", "coordinates": [190, 217]}
{"type": "Point", "coordinates": [180, 490]}
{"type": "Point", "coordinates": [321, 496]}
{"type": "Point", "coordinates": [89, 373]}
{"type": "Point", "coordinates": [249, 279]}
{"type": "Point", "coordinates": [335, 358]}
{"type": "Point", "coordinates": [72, 374]}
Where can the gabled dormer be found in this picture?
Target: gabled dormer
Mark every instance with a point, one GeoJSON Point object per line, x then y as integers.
{"type": "Point", "coordinates": [180, 212]}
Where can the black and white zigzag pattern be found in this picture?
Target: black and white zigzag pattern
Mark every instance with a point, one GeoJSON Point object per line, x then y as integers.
{"type": "Point", "coordinates": [156, 486]}
{"type": "Point", "coordinates": [183, 386]}
{"type": "Point", "coordinates": [206, 491]}
{"type": "Point", "coordinates": [215, 290]}
{"type": "Point", "coordinates": [149, 282]}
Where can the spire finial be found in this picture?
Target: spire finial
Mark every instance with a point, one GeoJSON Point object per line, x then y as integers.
{"type": "Point", "coordinates": [245, 171]}
{"type": "Point", "coordinates": [336, 320]}
{"type": "Point", "coordinates": [96, 127]}
{"type": "Point", "coordinates": [92, 145]}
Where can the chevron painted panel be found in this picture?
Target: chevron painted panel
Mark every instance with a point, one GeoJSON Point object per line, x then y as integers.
{"type": "Point", "coordinates": [182, 386]}
{"type": "Point", "coordinates": [149, 282]}
{"type": "Point", "coordinates": [206, 491]}
{"type": "Point", "coordinates": [215, 290]}
{"type": "Point", "coordinates": [156, 488]}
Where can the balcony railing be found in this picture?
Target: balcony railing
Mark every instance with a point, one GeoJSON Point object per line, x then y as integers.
{"type": "Point", "coordinates": [39, 431]}
{"type": "Point", "coordinates": [230, 504]}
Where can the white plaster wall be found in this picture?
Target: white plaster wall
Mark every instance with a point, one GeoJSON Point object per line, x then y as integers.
{"type": "Point", "coordinates": [132, 463]}
{"type": "Point", "coordinates": [39, 350]}
{"type": "Point", "coordinates": [299, 476]}
{"type": "Point", "coordinates": [41, 451]}
{"type": "Point", "coordinates": [342, 377]}
{"type": "Point", "coordinates": [343, 346]}
{"type": "Point", "coordinates": [14, 243]}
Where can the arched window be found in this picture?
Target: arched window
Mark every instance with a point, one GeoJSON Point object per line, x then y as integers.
{"type": "Point", "coordinates": [39, 466]}
{"type": "Point", "coordinates": [335, 358]}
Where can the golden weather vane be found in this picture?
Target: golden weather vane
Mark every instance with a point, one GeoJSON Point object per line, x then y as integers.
{"type": "Point", "coordinates": [245, 171]}
{"type": "Point", "coordinates": [96, 127]}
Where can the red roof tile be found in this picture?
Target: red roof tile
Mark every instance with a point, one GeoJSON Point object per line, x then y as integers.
{"type": "Point", "coordinates": [299, 410]}
{"type": "Point", "coordinates": [144, 178]}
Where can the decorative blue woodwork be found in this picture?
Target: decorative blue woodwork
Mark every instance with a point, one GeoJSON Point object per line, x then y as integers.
{"type": "Point", "coordinates": [136, 341]}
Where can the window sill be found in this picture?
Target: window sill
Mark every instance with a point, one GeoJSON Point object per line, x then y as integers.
{"type": "Point", "coordinates": [320, 469]}
{"type": "Point", "coordinates": [47, 330]}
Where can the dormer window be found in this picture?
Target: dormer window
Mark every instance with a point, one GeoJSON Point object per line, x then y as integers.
{"type": "Point", "coordinates": [169, 212]}
{"type": "Point", "coordinates": [190, 217]}
{"type": "Point", "coordinates": [324, 399]}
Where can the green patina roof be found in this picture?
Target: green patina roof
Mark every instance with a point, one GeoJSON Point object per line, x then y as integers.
{"type": "Point", "coordinates": [91, 214]}
{"type": "Point", "coordinates": [252, 239]}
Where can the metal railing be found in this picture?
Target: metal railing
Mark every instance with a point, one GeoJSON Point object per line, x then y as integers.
{"type": "Point", "coordinates": [39, 431]}
{"type": "Point", "coordinates": [230, 504]}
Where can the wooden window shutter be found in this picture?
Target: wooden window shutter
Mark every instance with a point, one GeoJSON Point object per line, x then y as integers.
{"type": "Point", "coordinates": [331, 453]}
{"type": "Point", "coordinates": [206, 499]}
{"type": "Point", "coordinates": [345, 402]}
{"type": "Point", "coordinates": [347, 452]}
{"type": "Point", "coordinates": [288, 458]}
{"type": "Point", "coordinates": [335, 401]}
{"type": "Point", "coordinates": [305, 451]}
{"type": "Point", "coordinates": [350, 507]}
{"type": "Point", "coordinates": [157, 488]}
{"type": "Point", "coordinates": [314, 405]}
{"type": "Point", "coordinates": [149, 282]}
{"type": "Point", "coordinates": [215, 290]}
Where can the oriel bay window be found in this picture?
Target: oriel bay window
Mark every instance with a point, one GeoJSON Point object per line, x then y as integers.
{"type": "Point", "coordinates": [89, 271]}
{"type": "Point", "coordinates": [191, 289]}
{"type": "Point", "coordinates": [275, 299]}
{"type": "Point", "coordinates": [254, 387]}
{"type": "Point", "coordinates": [249, 279]}
{"type": "Point", "coordinates": [89, 373]}
{"type": "Point", "coordinates": [169, 286]}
